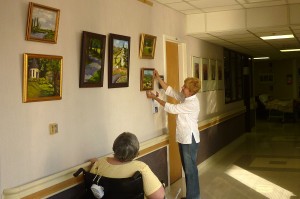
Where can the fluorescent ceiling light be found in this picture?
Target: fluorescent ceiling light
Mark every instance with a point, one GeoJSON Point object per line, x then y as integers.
{"type": "Point", "coordinates": [277, 37]}
{"type": "Point", "coordinates": [261, 58]}
{"type": "Point", "coordinates": [290, 50]}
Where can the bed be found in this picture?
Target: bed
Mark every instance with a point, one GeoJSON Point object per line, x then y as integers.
{"type": "Point", "coordinates": [279, 108]}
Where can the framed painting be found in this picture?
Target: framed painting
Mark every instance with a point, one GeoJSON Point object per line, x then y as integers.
{"type": "Point", "coordinates": [92, 60]}
{"type": "Point", "coordinates": [220, 74]}
{"type": "Point", "coordinates": [196, 67]}
{"type": "Point", "coordinates": [212, 69]}
{"type": "Point", "coordinates": [212, 72]}
{"type": "Point", "coordinates": [42, 77]}
{"type": "Point", "coordinates": [163, 78]}
{"type": "Point", "coordinates": [42, 23]}
{"type": "Point", "coordinates": [147, 79]}
{"type": "Point", "coordinates": [147, 46]}
{"type": "Point", "coordinates": [205, 63]}
{"type": "Point", "coordinates": [205, 75]}
{"type": "Point", "coordinates": [118, 61]}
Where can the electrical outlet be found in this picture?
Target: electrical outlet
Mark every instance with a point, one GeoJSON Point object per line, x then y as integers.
{"type": "Point", "coordinates": [53, 128]}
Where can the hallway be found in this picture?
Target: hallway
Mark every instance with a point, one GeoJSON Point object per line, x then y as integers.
{"type": "Point", "coordinates": [259, 165]}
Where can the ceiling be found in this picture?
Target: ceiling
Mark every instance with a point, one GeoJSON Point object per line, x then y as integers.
{"type": "Point", "coordinates": [244, 40]}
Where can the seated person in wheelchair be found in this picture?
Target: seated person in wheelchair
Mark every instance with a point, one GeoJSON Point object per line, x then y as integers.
{"type": "Point", "coordinates": [122, 165]}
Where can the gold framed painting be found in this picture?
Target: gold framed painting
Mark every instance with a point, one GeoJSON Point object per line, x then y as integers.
{"type": "Point", "coordinates": [42, 23]}
{"type": "Point", "coordinates": [42, 77]}
{"type": "Point", "coordinates": [147, 46]}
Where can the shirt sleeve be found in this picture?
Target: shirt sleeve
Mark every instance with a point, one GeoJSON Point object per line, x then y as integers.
{"type": "Point", "coordinates": [172, 93]}
{"type": "Point", "coordinates": [183, 108]}
{"type": "Point", "coordinates": [150, 181]}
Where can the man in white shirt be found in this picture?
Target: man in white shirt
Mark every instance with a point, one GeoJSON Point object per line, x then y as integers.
{"type": "Point", "coordinates": [187, 133]}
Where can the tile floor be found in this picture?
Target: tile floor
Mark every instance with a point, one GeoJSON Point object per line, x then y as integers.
{"type": "Point", "coordinates": [262, 164]}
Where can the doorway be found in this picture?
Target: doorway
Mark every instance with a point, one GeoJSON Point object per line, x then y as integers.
{"type": "Point", "coordinates": [174, 74]}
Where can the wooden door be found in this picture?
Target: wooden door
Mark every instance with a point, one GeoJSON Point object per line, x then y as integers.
{"type": "Point", "coordinates": [172, 73]}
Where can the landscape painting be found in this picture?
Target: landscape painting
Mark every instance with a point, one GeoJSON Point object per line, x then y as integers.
{"type": "Point", "coordinates": [42, 23]}
{"type": "Point", "coordinates": [147, 46]}
{"type": "Point", "coordinates": [92, 60]}
{"type": "Point", "coordinates": [118, 61]}
{"type": "Point", "coordinates": [42, 77]}
{"type": "Point", "coordinates": [147, 79]}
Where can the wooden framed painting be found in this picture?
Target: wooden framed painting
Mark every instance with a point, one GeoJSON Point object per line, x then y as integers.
{"type": "Point", "coordinates": [147, 46]}
{"type": "Point", "coordinates": [42, 77]}
{"type": "Point", "coordinates": [92, 60]}
{"type": "Point", "coordinates": [42, 23]}
{"type": "Point", "coordinates": [147, 79]}
{"type": "Point", "coordinates": [118, 61]}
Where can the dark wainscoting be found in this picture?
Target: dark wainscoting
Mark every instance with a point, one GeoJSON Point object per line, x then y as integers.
{"type": "Point", "coordinates": [158, 163]}
{"type": "Point", "coordinates": [216, 137]}
{"type": "Point", "coordinates": [156, 160]}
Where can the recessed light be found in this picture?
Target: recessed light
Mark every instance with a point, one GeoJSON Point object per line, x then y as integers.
{"type": "Point", "coordinates": [277, 37]}
{"type": "Point", "coordinates": [261, 58]}
{"type": "Point", "coordinates": [290, 50]}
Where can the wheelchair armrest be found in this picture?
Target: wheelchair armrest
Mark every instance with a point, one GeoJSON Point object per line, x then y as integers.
{"type": "Point", "coordinates": [78, 172]}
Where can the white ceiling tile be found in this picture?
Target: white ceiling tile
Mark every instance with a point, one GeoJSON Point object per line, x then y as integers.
{"type": "Point", "coordinates": [213, 3]}
{"type": "Point", "coordinates": [295, 27]}
{"type": "Point", "coordinates": [222, 8]}
{"type": "Point", "coordinates": [168, 1]}
{"type": "Point", "coordinates": [192, 11]}
{"type": "Point", "coordinates": [293, 1]}
{"type": "Point", "coordinates": [180, 6]}
{"type": "Point", "coordinates": [265, 4]}
{"type": "Point", "coordinates": [246, 39]}
{"type": "Point", "coordinates": [232, 32]}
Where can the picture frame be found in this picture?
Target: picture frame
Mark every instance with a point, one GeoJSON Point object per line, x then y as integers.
{"type": "Point", "coordinates": [42, 77]}
{"type": "Point", "coordinates": [163, 78]}
{"type": "Point", "coordinates": [42, 23]}
{"type": "Point", "coordinates": [212, 69]}
{"type": "Point", "coordinates": [196, 67]}
{"type": "Point", "coordinates": [205, 86]}
{"type": "Point", "coordinates": [147, 79]}
{"type": "Point", "coordinates": [220, 73]}
{"type": "Point", "coordinates": [118, 61]}
{"type": "Point", "coordinates": [212, 73]}
{"type": "Point", "coordinates": [147, 46]}
{"type": "Point", "coordinates": [92, 60]}
{"type": "Point", "coordinates": [205, 66]}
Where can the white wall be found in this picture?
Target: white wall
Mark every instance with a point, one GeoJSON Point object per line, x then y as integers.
{"type": "Point", "coordinates": [88, 119]}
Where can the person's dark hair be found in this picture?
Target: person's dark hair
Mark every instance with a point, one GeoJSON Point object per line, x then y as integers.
{"type": "Point", "coordinates": [126, 147]}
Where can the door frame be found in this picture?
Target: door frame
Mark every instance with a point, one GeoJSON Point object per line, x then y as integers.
{"type": "Point", "coordinates": [182, 63]}
{"type": "Point", "coordinates": [181, 55]}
